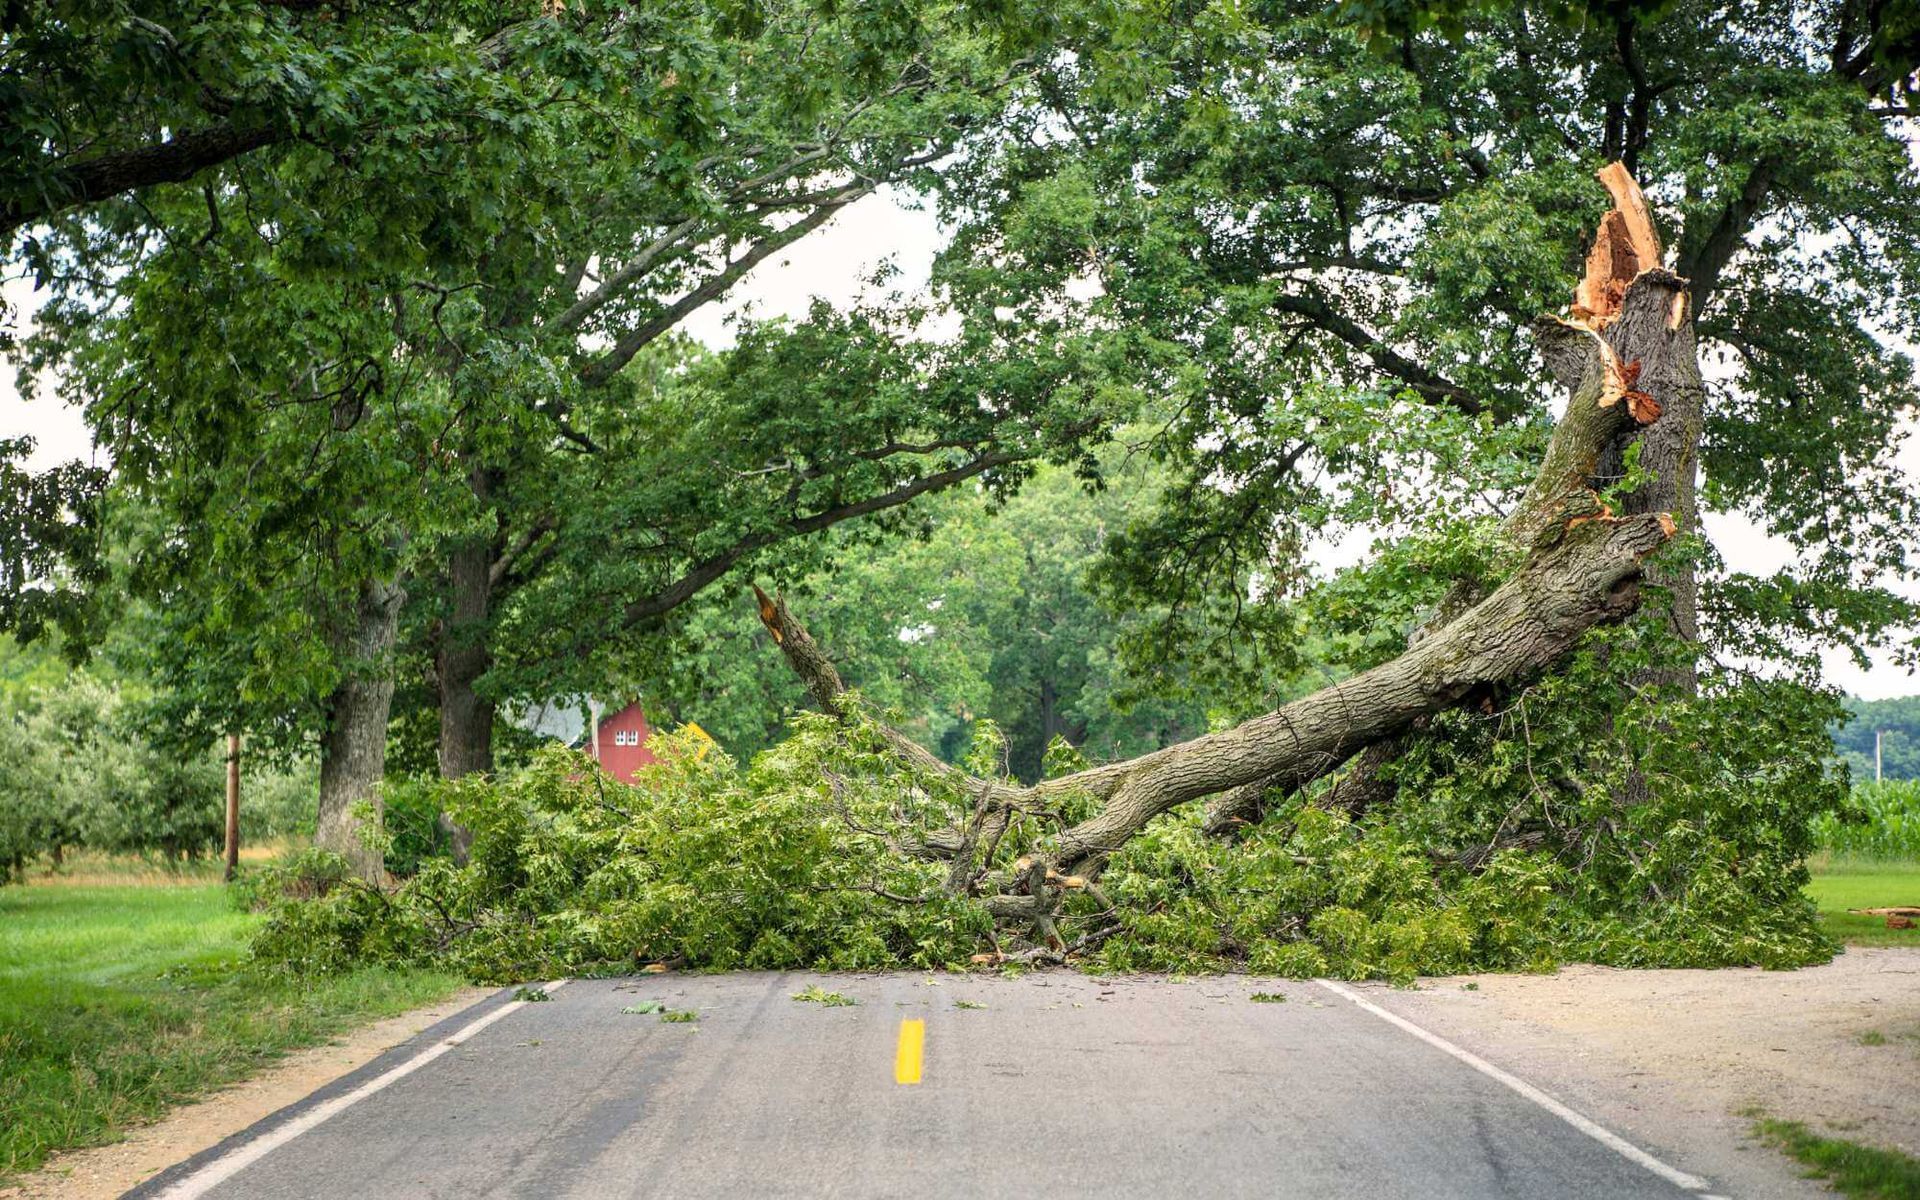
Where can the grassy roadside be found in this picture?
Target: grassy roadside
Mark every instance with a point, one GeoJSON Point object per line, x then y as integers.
{"type": "Point", "coordinates": [1861, 1172]}
{"type": "Point", "coordinates": [119, 1000]}
{"type": "Point", "coordinates": [1840, 883]}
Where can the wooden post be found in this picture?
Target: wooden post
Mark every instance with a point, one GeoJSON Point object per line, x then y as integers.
{"type": "Point", "coordinates": [233, 805]}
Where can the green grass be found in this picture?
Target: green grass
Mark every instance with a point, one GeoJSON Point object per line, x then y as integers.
{"type": "Point", "coordinates": [1840, 883]}
{"type": "Point", "coordinates": [118, 1001]}
{"type": "Point", "coordinates": [1862, 1172]}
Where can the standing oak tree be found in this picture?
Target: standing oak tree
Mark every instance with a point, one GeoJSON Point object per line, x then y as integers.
{"type": "Point", "coordinates": [363, 391]}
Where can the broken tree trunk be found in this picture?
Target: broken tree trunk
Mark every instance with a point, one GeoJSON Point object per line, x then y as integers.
{"type": "Point", "coordinates": [1648, 366]}
{"type": "Point", "coordinates": [1581, 565]}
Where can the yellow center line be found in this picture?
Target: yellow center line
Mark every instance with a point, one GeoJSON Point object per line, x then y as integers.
{"type": "Point", "coordinates": [906, 1059]}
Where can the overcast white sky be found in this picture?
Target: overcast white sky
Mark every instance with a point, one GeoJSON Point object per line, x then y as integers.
{"type": "Point", "coordinates": [831, 264]}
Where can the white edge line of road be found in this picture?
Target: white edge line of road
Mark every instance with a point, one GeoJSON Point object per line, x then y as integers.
{"type": "Point", "coordinates": [228, 1165]}
{"type": "Point", "coordinates": [1597, 1132]}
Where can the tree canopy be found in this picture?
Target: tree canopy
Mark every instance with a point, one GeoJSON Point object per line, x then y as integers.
{"type": "Point", "coordinates": [393, 381]}
{"type": "Point", "coordinates": [1330, 259]}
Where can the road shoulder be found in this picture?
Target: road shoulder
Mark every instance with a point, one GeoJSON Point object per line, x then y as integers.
{"type": "Point", "coordinates": [1675, 1059]}
{"type": "Point", "coordinates": [101, 1172]}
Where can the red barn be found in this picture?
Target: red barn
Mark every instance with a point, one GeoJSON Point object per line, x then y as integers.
{"type": "Point", "coordinates": [620, 743]}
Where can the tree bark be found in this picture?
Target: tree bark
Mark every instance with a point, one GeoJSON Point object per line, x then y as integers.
{"type": "Point", "coordinates": [232, 849]}
{"type": "Point", "coordinates": [466, 717]}
{"type": "Point", "coordinates": [353, 751]}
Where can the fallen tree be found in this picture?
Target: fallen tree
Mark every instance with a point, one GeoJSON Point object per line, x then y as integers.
{"type": "Point", "coordinates": [1580, 553]}
{"type": "Point", "coordinates": [1558, 798]}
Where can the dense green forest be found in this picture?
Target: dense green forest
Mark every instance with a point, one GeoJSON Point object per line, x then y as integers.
{"type": "Point", "coordinates": [378, 317]}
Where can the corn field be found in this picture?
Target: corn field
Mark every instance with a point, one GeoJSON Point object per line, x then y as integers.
{"type": "Point", "coordinates": [1885, 822]}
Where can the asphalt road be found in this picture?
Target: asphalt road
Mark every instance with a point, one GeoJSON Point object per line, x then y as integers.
{"type": "Point", "coordinates": [1059, 1086]}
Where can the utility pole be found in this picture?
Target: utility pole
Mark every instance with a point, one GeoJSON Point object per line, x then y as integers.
{"type": "Point", "coordinates": [1876, 754]}
{"type": "Point", "coordinates": [233, 805]}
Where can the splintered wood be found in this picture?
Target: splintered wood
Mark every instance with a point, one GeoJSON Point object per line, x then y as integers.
{"type": "Point", "coordinates": [769, 615]}
{"type": "Point", "coordinates": [1624, 246]}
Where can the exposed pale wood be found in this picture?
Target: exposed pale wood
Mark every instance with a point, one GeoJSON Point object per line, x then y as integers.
{"type": "Point", "coordinates": [1624, 246]}
{"type": "Point", "coordinates": [1631, 204]}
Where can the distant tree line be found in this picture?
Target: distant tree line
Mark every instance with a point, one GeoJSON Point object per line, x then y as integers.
{"type": "Point", "coordinates": [1898, 723]}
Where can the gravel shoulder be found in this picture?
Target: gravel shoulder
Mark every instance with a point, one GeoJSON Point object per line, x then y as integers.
{"type": "Point", "coordinates": [1677, 1058]}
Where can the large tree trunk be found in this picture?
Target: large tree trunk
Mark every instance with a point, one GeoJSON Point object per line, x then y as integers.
{"type": "Point", "coordinates": [353, 751]}
{"type": "Point", "coordinates": [1626, 357]}
{"type": "Point", "coordinates": [466, 717]}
